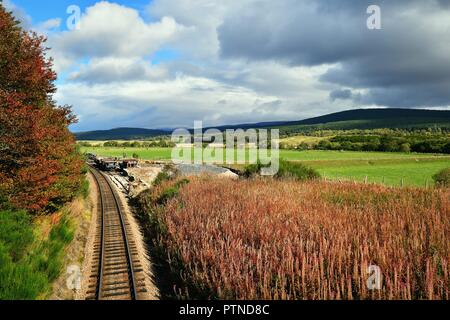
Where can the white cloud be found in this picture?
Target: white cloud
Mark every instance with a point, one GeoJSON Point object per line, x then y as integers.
{"type": "Point", "coordinates": [119, 86]}
{"type": "Point", "coordinates": [173, 102]}
{"type": "Point", "coordinates": [112, 69]}
{"type": "Point", "coordinates": [48, 26]}
{"type": "Point", "coordinates": [111, 30]}
{"type": "Point", "coordinates": [202, 18]}
{"type": "Point", "coordinates": [109, 78]}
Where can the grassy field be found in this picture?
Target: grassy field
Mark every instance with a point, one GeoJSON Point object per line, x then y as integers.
{"type": "Point", "coordinates": [379, 167]}
{"type": "Point", "coordinates": [408, 173]}
{"type": "Point", "coordinates": [296, 140]}
{"type": "Point", "coordinates": [145, 154]}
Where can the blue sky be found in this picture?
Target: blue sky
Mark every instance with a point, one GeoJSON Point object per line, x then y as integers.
{"type": "Point", "coordinates": [168, 63]}
{"type": "Point", "coordinates": [43, 10]}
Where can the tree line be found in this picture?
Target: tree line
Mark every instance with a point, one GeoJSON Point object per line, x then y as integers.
{"type": "Point", "coordinates": [421, 143]}
{"type": "Point", "coordinates": [40, 166]}
{"type": "Point", "coordinates": [129, 144]}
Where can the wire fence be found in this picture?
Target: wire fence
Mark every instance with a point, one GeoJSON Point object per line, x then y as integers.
{"type": "Point", "coordinates": [402, 182]}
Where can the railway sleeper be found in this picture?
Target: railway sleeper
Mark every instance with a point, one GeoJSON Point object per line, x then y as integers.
{"type": "Point", "coordinates": [115, 255]}
{"type": "Point", "coordinates": [116, 268]}
{"type": "Point", "coordinates": [117, 295]}
{"type": "Point", "coordinates": [116, 260]}
{"type": "Point", "coordinates": [116, 272]}
{"type": "Point", "coordinates": [114, 248]}
{"type": "Point", "coordinates": [127, 288]}
{"type": "Point", "coordinates": [122, 266]}
{"type": "Point", "coordinates": [116, 283]}
{"type": "Point", "coordinates": [115, 241]}
{"type": "Point", "coordinates": [113, 263]}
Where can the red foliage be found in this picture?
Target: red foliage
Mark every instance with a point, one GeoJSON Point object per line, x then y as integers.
{"type": "Point", "coordinates": [39, 164]}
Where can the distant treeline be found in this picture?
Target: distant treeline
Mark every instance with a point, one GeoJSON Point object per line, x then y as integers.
{"type": "Point", "coordinates": [428, 132]}
{"type": "Point", "coordinates": [384, 140]}
{"type": "Point", "coordinates": [380, 140]}
{"type": "Point", "coordinates": [386, 143]}
{"type": "Point", "coordinates": [130, 144]}
{"type": "Point", "coordinates": [403, 124]}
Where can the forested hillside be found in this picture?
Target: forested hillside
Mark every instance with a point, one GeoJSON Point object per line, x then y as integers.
{"type": "Point", "coordinates": [361, 119]}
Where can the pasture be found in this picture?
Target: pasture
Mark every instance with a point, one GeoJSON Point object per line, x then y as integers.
{"type": "Point", "coordinates": [380, 167]}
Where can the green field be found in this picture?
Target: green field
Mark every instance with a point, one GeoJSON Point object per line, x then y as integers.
{"type": "Point", "coordinates": [408, 173]}
{"type": "Point", "coordinates": [145, 154]}
{"type": "Point", "coordinates": [379, 167]}
{"type": "Point", "coordinates": [298, 139]}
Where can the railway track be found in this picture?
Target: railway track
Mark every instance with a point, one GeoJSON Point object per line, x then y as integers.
{"type": "Point", "coordinates": [116, 271]}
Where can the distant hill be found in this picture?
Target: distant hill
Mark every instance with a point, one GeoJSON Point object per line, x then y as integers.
{"type": "Point", "coordinates": [363, 119]}
{"type": "Point", "coordinates": [346, 120]}
{"type": "Point", "coordinates": [414, 115]}
{"type": "Point", "coordinates": [369, 119]}
{"type": "Point", "coordinates": [120, 134]}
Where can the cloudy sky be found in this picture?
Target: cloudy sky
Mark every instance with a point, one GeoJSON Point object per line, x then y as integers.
{"type": "Point", "coordinates": [166, 63]}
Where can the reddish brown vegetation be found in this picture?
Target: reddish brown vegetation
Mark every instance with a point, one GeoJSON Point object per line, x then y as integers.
{"type": "Point", "coordinates": [288, 240]}
{"type": "Point", "coordinates": [39, 163]}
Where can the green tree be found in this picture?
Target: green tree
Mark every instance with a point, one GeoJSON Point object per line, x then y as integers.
{"type": "Point", "coordinates": [405, 147]}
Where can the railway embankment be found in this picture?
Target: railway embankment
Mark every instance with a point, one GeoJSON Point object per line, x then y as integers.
{"type": "Point", "coordinates": [80, 215]}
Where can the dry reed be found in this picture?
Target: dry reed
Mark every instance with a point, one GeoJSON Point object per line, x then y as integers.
{"type": "Point", "coordinates": [267, 239]}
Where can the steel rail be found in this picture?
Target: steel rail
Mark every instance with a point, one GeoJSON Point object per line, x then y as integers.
{"type": "Point", "coordinates": [131, 275]}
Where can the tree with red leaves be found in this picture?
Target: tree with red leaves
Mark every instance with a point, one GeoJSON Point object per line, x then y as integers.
{"type": "Point", "coordinates": [40, 167]}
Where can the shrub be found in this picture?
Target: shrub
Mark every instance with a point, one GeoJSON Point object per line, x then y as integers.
{"type": "Point", "coordinates": [287, 169]}
{"type": "Point", "coordinates": [252, 170]}
{"type": "Point", "coordinates": [168, 194]}
{"type": "Point", "coordinates": [442, 178]}
{"type": "Point", "coordinates": [297, 171]}
{"type": "Point", "coordinates": [161, 177]}
{"type": "Point", "coordinates": [405, 147]}
{"type": "Point", "coordinates": [171, 192]}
